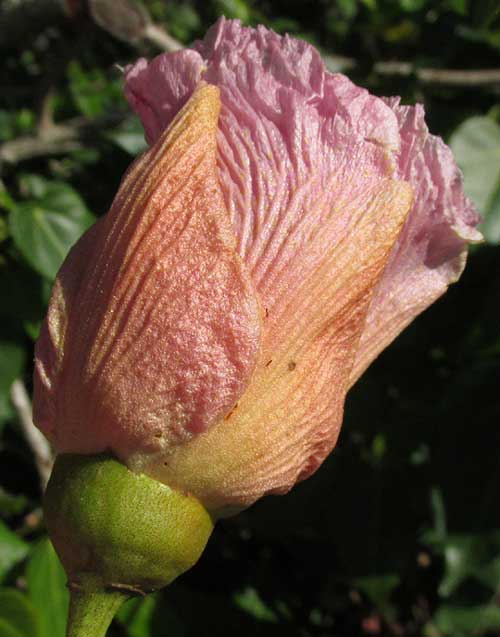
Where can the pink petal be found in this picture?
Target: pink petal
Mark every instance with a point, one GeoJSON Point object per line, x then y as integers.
{"type": "Point", "coordinates": [431, 251]}
{"type": "Point", "coordinates": [296, 144]}
{"type": "Point", "coordinates": [153, 327]}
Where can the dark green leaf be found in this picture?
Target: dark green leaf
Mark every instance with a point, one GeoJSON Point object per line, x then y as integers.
{"type": "Point", "coordinates": [18, 618]}
{"type": "Point", "coordinates": [31, 185]}
{"type": "Point", "coordinates": [6, 125]}
{"type": "Point", "coordinates": [11, 504]}
{"type": "Point", "coordinates": [183, 21]}
{"type": "Point", "coordinates": [412, 5]}
{"type": "Point", "coordinates": [129, 136]}
{"type": "Point", "coordinates": [12, 549]}
{"type": "Point", "coordinates": [6, 200]}
{"type": "Point", "coordinates": [458, 6]}
{"type": "Point", "coordinates": [137, 616]}
{"type": "Point", "coordinates": [378, 589]}
{"type": "Point", "coordinates": [438, 513]}
{"type": "Point", "coordinates": [476, 146]}
{"type": "Point", "coordinates": [12, 357]}
{"type": "Point", "coordinates": [251, 602]}
{"type": "Point", "coordinates": [460, 554]}
{"type": "Point", "coordinates": [236, 9]}
{"type": "Point", "coordinates": [456, 621]}
{"type": "Point", "coordinates": [473, 556]}
{"type": "Point", "coordinates": [93, 92]}
{"type": "Point", "coordinates": [47, 589]}
{"type": "Point", "coordinates": [150, 616]}
{"type": "Point", "coordinates": [489, 575]}
{"type": "Point", "coordinates": [44, 229]}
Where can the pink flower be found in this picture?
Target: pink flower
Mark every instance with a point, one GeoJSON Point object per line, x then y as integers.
{"type": "Point", "coordinates": [253, 264]}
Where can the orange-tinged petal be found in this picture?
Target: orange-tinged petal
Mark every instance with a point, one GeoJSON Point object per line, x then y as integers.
{"type": "Point", "coordinates": [289, 418]}
{"type": "Point", "coordinates": [153, 328]}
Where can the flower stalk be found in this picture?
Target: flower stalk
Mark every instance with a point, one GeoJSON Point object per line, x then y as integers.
{"type": "Point", "coordinates": [92, 608]}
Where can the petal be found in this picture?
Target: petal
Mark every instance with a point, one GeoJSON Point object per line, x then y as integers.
{"type": "Point", "coordinates": [154, 327]}
{"type": "Point", "coordinates": [431, 251]}
{"type": "Point", "coordinates": [289, 418]}
{"type": "Point", "coordinates": [176, 77]}
{"type": "Point", "coordinates": [295, 145]}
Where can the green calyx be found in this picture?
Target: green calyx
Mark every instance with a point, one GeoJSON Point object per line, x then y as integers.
{"type": "Point", "coordinates": [117, 534]}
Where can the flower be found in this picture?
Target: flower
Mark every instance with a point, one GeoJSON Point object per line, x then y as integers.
{"type": "Point", "coordinates": [282, 229]}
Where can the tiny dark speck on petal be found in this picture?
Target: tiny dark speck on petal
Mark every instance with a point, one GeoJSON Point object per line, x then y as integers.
{"type": "Point", "coordinates": [269, 362]}
{"type": "Point", "coordinates": [231, 412]}
{"type": "Point", "coordinates": [292, 365]}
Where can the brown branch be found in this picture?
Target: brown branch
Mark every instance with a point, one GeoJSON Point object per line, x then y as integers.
{"type": "Point", "coordinates": [58, 139]}
{"type": "Point", "coordinates": [46, 115]}
{"type": "Point", "coordinates": [130, 21]}
{"type": "Point", "coordinates": [450, 77]}
{"type": "Point", "coordinates": [426, 75]}
{"type": "Point", "coordinates": [479, 77]}
{"type": "Point", "coordinates": [39, 446]}
{"type": "Point", "coordinates": [159, 37]}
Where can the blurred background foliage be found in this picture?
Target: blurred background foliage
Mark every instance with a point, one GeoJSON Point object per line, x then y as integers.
{"type": "Point", "coordinates": [399, 532]}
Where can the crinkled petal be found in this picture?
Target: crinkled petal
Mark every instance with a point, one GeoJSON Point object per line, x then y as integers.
{"type": "Point", "coordinates": [153, 329]}
{"type": "Point", "coordinates": [297, 146]}
{"type": "Point", "coordinates": [431, 251]}
{"type": "Point", "coordinates": [177, 75]}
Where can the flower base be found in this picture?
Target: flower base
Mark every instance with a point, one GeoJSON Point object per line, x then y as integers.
{"type": "Point", "coordinates": [118, 534]}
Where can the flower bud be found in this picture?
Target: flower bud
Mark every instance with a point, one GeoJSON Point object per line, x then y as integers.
{"type": "Point", "coordinates": [282, 229]}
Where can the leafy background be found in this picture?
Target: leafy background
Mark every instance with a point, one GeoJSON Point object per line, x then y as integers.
{"type": "Point", "coordinates": [399, 532]}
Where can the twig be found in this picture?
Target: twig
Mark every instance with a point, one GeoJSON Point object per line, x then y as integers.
{"type": "Point", "coordinates": [58, 139]}
{"type": "Point", "coordinates": [46, 115]}
{"type": "Point", "coordinates": [42, 452]}
{"type": "Point", "coordinates": [427, 75]}
{"type": "Point", "coordinates": [133, 24]}
{"type": "Point", "coordinates": [161, 38]}
{"type": "Point", "coordinates": [130, 22]}
{"type": "Point", "coordinates": [450, 77]}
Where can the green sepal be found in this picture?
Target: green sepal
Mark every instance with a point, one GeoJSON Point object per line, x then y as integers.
{"type": "Point", "coordinates": [118, 533]}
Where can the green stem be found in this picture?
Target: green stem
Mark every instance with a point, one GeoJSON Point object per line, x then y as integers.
{"type": "Point", "coordinates": [92, 608]}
